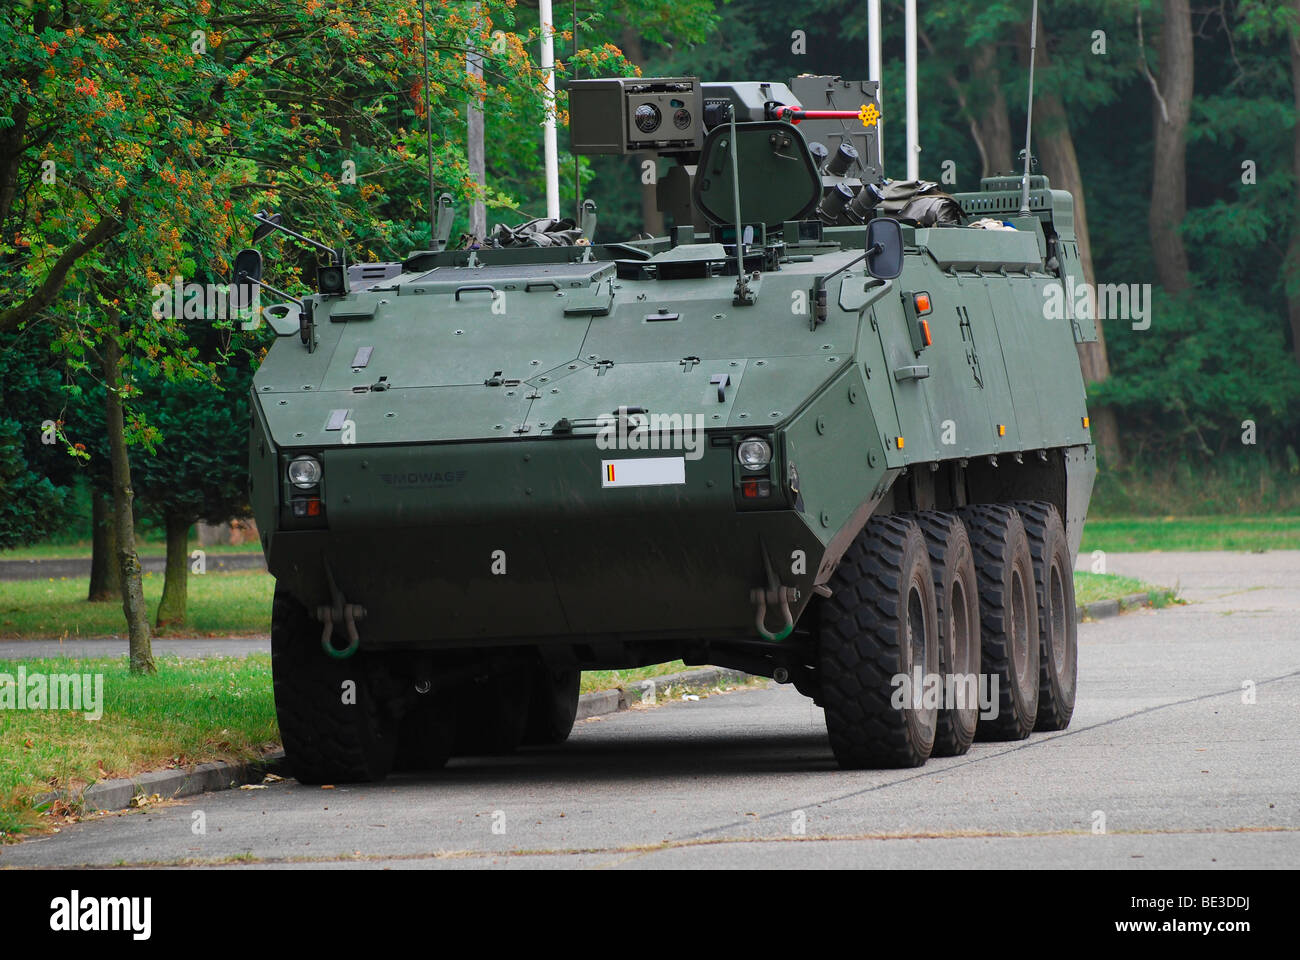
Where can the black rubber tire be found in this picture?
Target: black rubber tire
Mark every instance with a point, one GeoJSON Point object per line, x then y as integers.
{"type": "Point", "coordinates": [327, 740]}
{"type": "Point", "coordinates": [554, 705]}
{"type": "Point", "coordinates": [957, 601]}
{"type": "Point", "coordinates": [1008, 617]}
{"type": "Point", "coordinates": [427, 734]}
{"type": "Point", "coordinates": [1058, 623]}
{"type": "Point", "coordinates": [882, 595]}
{"type": "Point", "coordinates": [492, 710]}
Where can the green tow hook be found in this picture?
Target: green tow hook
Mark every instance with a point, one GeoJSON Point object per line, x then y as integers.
{"type": "Point", "coordinates": [349, 614]}
{"type": "Point", "coordinates": [782, 596]}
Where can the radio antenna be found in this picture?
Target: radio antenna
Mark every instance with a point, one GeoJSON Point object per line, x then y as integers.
{"type": "Point", "coordinates": [577, 167]}
{"type": "Point", "coordinates": [1029, 123]}
{"type": "Point", "coordinates": [428, 122]}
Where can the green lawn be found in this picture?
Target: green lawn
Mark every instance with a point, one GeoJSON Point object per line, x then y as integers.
{"type": "Point", "coordinates": [1131, 534]}
{"type": "Point", "coordinates": [144, 547]}
{"type": "Point", "coordinates": [220, 604]}
{"type": "Point", "coordinates": [191, 711]}
{"type": "Point", "coordinates": [1091, 587]}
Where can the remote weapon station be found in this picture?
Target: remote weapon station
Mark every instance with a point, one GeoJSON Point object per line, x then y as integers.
{"type": "Point", "coordinates": [824, 431]}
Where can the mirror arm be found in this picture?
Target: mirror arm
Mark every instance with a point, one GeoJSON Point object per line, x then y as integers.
{"type": "Point", "coordinates": [268, 222]}
{"type": "Point", "coordinates": [278, 292]}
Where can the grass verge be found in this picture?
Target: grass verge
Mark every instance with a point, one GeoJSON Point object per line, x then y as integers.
{"type": "Point", "coordinates": [220, 604]}
{"type": "Point", "coordinates": [190, 711]}
{"type": "Point", "coordinates": [1091, 587]}
{"type": "Point", "coordinates": [1130, 534]}
{"type": "Point", "coordinates": [80, 549]}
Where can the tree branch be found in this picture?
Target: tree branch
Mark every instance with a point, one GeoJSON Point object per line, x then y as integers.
{"type": "Point", "coordinates": [49, 289]}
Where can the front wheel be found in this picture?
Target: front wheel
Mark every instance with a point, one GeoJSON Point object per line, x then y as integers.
{"type": "Point", "coordinates": [335, 720]}
{"type": "Point", "coordinates": [554, 706]}
{"type": "Point", "coordinates": [878, 648]}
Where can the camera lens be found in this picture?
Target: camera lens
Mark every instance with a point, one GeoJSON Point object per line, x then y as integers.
{"type": "Point", "coordinates": [647, 118]}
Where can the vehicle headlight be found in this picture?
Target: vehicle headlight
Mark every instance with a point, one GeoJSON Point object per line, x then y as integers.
{"type": "Point", "coordinates": [754, 454]}
{"type": "Point", "coordinates": [304, 472]}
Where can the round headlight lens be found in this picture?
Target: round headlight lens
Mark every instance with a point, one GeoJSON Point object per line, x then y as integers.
{"type": "Point", "coordinates": [754, 454]}
{"type": "Point", "coordinates": [304, 472]}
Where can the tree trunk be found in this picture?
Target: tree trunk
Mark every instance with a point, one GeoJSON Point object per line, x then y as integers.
{"type": "Point", "coordinates": [171, 609]}
{"type": "Point", "coordinates": [1292, 270]}
{"type": "Point", "coordinates": [133, 605]}
{"type": "Point", "coordinates": [1172, 107]}
{"type": "Point", "coordinates": [991, 124]}
{"type": "Point", "coordinates": [1061, 164]}
{"type": "Point", "coordinates": [105, 582]}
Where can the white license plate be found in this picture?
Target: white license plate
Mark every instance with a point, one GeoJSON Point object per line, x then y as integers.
{"type": "Point", "coordinates": [643, 472]}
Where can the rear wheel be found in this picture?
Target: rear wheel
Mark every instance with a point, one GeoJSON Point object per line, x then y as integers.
{"type": "Point", "coordinates": [334, 715]}
{"type": "Point", "coordinates": [427, 733]}
{"type": "Point", "coordinates": [1008, 618]}
{"type": "Point", "coordinates": [554, 705]}
{"type": "Point", "coordinates": [1058, 627]}
{"type": "Point", "coordinates": [878, 629]}
{"type": "Point", "coordinates": [957, 601]}
{"type": "Point", "coordinates": [492, 708]}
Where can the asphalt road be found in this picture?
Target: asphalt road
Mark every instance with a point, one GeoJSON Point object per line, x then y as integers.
{"type": "Point", "coordinates": [80, 567]}
{"type": "Point", "coordinates": [1185, 773]}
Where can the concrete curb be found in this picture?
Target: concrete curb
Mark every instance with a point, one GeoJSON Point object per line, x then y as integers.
{"type": "Point", "coordinates": [1113, 608]}
{"type": "Point", "coordinates": [208, 777]}
{"type": "Point", "coordinates": [602, 702]}
{"type": "Point", "coordinates": [168, 784]}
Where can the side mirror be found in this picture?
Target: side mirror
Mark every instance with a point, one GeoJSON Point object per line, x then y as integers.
{"type": "Point", "coordinates": [248, 266]}
{"type": "Point", "coordinates": [266, 226]}
{"type": "Point", "coordinates": [248, 271]}
{"type": "Point", "coordinates": [884, 248]}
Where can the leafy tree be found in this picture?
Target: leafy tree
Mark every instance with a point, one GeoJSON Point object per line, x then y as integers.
{"type": "Point", "coordinates": [198, 470]}
{"type": "Point", "coordinates": [36, 473]}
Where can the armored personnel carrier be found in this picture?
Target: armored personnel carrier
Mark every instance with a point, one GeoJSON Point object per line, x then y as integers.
{"type": "Point", "coordinates": [824, 431]}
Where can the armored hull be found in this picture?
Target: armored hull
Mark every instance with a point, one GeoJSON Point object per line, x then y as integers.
{"type": "Point", "coordinates": [533, 461]}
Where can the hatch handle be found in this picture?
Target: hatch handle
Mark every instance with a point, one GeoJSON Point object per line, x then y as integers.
{"type": "Point", "coordinates": [475, 287]}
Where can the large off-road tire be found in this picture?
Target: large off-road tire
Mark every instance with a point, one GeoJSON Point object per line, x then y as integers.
{"type": "Point", "coordinates": [957, 601]}
{"type": "Point", "coordinates": [334, 722]}
{"type": "Point", "coordinates": [1058, 625]}
{"type": "Point", "coordinates": [879, 622]}
{"type": "Point", "coordinates": [554, 705]}
{"type": "Point", "coordinates": [427, 734]}
{"type": "Point", "coordinates": [492, 710]}
{"type": "Point", "coordinates": [1008, 618]}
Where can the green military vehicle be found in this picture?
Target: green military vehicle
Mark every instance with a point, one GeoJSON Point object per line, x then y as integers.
{"type": "Point", "coordinates": [824, 431]}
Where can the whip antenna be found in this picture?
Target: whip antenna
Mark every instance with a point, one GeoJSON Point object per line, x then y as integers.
{"type": "Point", "coordinates": [1029, 123]}
{"type": "Point", "coordinates": [428, 122]}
